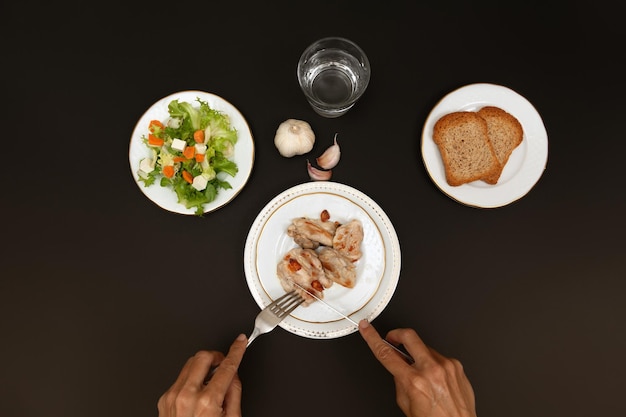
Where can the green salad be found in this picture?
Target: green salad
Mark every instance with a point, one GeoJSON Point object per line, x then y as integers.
{"type": "Point", "coordinates": [188, 150]}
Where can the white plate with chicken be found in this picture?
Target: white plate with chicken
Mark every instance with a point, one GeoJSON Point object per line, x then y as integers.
{"type": "Point", "coordinates": [276, 236]}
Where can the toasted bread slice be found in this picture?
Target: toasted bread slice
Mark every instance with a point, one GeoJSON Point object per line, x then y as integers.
{"type": "Point", "coordinates": [505, 133]}
{"type": "Point", "coordinates": [465, 148]}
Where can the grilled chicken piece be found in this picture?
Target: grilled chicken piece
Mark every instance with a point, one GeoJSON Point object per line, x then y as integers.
{"type": "Point", "coordinates": [348, 238]}
{"type": "Point", "coordinates": [337, 267]}
{"type": "Point", "coordinates": [311, 233]}
{"type": "Point", "coordinates": [304, 267]}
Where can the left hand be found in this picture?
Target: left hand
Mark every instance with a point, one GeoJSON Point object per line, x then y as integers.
{"type": "Point", "coordinates": [220, 397]}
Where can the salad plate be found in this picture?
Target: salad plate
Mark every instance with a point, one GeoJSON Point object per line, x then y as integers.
{"type": "Point", "coordinates": [525, 165]}
{"type": "Point", "coordinates": [243, 156]}
{"type": "Point", "coordinates": [378, 269]}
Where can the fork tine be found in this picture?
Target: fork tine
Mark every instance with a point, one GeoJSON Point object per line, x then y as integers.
{"type": "Point", "coordinates": [294, 306]}
{"type": "Point", "coordinates": [274, 313]}
{"type": "Point", "coordinates": [285, 304]}
{"type": "Point", "coordinates": [284, 296]}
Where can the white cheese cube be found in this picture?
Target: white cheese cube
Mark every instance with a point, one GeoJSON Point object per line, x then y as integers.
{"type": "Point", "coordinates": [146, 165]}
{"type": "Point", "coordinates": [199, 182]}
{"type": "Point", "coordinates": [179, 145]}
{"type": "Point", "coordinates": [200, 148]}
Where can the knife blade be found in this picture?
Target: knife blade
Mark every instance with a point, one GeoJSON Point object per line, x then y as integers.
{"type": "Point", "coordinates": [326, 304]}
{"type": "Point", "coordinates": [404, 355]}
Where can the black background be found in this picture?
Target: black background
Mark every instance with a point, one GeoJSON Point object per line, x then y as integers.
{"type": "Point", "coordinates": [99, 308]}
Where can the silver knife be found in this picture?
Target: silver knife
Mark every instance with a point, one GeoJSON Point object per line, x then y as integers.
{"type": "Point", "coordinates": [405, 355]}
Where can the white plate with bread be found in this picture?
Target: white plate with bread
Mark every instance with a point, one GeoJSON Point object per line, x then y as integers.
{"type": "Point", "coordinates": [484, 145]}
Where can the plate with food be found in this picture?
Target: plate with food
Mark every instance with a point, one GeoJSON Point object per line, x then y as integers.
{"type": "Point", "coordinates": [484, 145]}
{"type": "Point", "coordinates": [191, 152]}
{"type": "Point", "coordinates": [334, 241]}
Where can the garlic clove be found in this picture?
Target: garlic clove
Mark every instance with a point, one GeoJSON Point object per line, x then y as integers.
{"type": "Point", "coordinates": [330, 157]}
{"type": "Point", "coordinates": [317, 174]}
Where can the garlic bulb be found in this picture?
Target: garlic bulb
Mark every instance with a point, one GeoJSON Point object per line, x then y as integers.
{"type": "Point", "coordinates": [330, 157]}
{"type": "Point", "coordinates": [317, 174]}
{"type": "Point", "coordinates": [294, 137]}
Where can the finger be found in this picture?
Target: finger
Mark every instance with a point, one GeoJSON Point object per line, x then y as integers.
{"type": "Point", "coordinates": [385, 354]}
{"type": "Point", "coordinates": [438, 356]}
{"type": "Point", "coordinates": [413, 344]}
{"type": "Point", "coordinates": [454, 365]}
{"type": "Point", "coordinates": [200, 366]}
{"type": "Point", "coordinates": [182, 376]}
{"type": "Point", "coordinates": [167, 401]}
{"type": "Point", "coordinates": [228, 366]}
{"type": "Point", "coordinates": [232, 400]}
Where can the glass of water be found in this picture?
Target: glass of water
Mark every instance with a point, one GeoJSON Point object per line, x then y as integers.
{"type": "Point", "coordinates": [333, 73]}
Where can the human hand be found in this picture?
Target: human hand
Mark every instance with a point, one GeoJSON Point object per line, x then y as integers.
{"type": "Point", "coordinates": [434, 386]}
{"type": "Point", "coordinates": [191, 396]}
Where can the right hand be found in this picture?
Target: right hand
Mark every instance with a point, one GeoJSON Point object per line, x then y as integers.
{"type": "Point", "coordinates": [434, 386]}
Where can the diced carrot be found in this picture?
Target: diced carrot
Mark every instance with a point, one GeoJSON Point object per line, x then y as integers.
{"type": "Point", "coordinates": [198, 136]}
{"type": "Point", "coordinates": [199, 157]}
{"type": "Point", "coordinates": [168, 171]}
{"type": "Point", "coordinates": [154, 141]}
{"type": "Point", "coordinates": [189, 152]}
{"type": "Point", "coordinates": [179, 159]}
{"type": "Point", "coordinates": [155, 126]}
{"type": "Point", "coordinates": [188, 177]}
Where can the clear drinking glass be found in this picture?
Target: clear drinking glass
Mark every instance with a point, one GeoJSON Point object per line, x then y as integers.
{"type": "Point", "coordinates": [333, 74]}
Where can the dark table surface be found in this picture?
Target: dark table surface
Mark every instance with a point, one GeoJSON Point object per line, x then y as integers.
{"type": "Point", "coordinates": [99, 312]}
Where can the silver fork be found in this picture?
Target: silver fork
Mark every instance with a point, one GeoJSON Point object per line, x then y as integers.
{"type": "Point", "coordinates": [268, 319]}
{"type": "Point", "coordinates": [274, 313]}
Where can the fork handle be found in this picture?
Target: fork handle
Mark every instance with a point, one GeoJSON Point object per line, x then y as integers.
{"type": "Point", "coordinates": [255, 333]}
